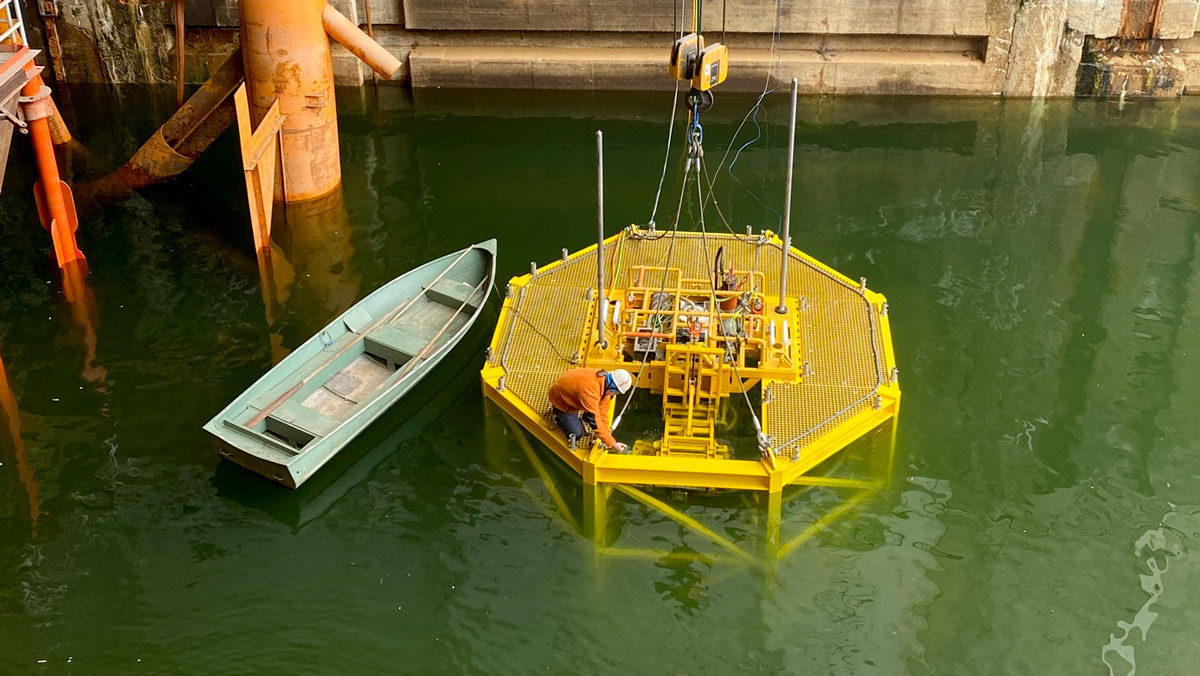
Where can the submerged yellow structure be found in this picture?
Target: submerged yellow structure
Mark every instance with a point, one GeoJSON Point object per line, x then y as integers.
{"type": "Point", "coordinates": [812, 359]}
{"type": "Point", "coordinates": [705, 321]}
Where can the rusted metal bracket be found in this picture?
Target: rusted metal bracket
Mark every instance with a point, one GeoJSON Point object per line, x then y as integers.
{"type": "Point", "coordinates": [15, 119]}
{"type": "Point", "coordinates": [36, 106]}
{"type": "Point", "coordinates": [49, 12]}
{"type": "Point", "coordinates": [181, 139]}
{"type": "Point", "coordinates": [259, 146]}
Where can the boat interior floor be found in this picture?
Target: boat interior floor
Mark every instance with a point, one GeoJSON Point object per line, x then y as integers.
{"type": "Point", "coordinates": [338, 395]}
{"type": "Point", "coordinates": [386, 349]}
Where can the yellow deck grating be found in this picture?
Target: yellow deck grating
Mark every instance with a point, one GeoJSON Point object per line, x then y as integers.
{"type": "Point", "coordinates": [844, 341]}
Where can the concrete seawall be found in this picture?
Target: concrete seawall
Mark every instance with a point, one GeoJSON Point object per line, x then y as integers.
{"type": "Point", "coordinates": [1019, 48]}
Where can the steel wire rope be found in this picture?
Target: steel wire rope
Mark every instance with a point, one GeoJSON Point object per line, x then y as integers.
{"type": "Point", "coordinates": [776, 61]}
{"type": "Point", "coordinates": [717, 206]}
{"type": "Point", "coordinates": [713, 282]}
{"type": "Point", "coordinates": [678, 210]}
{"type": "Point", "coordinates": [671, 127]}
{"type": "Point", "coordinates": [661, 291]}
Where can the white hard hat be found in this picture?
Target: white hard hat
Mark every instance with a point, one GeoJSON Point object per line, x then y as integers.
{"type": "Point", "coordinates": [621, 379]}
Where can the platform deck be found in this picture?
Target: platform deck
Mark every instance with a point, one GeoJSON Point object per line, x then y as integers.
{"type": "Point", "coordinates": [849, 384]}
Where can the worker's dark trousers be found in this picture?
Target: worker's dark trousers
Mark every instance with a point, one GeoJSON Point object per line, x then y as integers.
{"type": "Point", "coordinates": [572, 424]}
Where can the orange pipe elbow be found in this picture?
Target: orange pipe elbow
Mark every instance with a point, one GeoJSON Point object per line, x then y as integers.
{"type": "Point", "coordinates": [359, 43]}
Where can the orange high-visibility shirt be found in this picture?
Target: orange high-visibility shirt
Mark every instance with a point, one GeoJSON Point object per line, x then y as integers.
{"type": "Point", "coordinates": [583, 390]}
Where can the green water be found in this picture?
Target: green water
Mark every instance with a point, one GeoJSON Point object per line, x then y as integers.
{"type": "Point", "coordinates": [1041, 517]}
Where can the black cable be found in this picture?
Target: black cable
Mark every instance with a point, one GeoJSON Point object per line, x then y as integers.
{"type": "Point", "coordinates": [531, 324]}
{"type": "Point", "coordinates": [544, 336]}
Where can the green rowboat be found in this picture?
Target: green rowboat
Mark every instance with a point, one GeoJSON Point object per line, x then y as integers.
{"type": "Point", "coordinates": [315, 401]}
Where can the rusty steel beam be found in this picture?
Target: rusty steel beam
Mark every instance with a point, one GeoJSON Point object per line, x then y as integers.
{"type": "Point", "coordinates": [48, 9]}
{"type": "Point", "coordinates": [1139, 19]}
{"type": "Point", "coordinates": [371, 34]}
{"type": "Point", "coordinates": [181, 139]}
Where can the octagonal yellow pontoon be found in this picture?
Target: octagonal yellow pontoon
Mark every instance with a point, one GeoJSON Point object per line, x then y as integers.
{"type": "Point", "coordinates": [700, 318]}
{"type": "Point", "coordinates": [695, 336]}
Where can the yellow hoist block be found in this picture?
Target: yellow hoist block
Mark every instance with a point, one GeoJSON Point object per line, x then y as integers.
{"type": "Point", "coordinates": [712, 66]}
{"type": "Point", "coordinates": [684, 55]}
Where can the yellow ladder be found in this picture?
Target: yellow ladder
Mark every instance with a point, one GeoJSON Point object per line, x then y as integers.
{"type": "Point", "coordinates": [691, 397]}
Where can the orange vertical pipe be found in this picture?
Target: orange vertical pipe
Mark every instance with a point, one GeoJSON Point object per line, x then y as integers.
{"type": "Point", "coordinates": [287, 58]}
{"type": "Point", "coordinates": [62, 222]}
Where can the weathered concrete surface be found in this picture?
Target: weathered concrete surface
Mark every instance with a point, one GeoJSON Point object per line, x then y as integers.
{"type": "Point", "coordinates": [851, 72]}
{"type": "Point", "coordinates": [1045, 51]}
{"type": "Point", "coordinates": [909, 17]}
{"type": "Point", "coordinates": [112, 40]}
{"type": "Point", "coordinates": [1176, 19]}
{"type": "Point", "coordinates": [1121, 73]}
{"type": "Point", "coordinates": [1017, 48]}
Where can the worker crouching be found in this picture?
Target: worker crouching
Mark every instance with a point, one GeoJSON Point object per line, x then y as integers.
{"type": "Point", "coordinates": [584, 395]}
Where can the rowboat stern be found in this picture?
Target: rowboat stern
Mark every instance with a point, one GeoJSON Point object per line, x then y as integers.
{"type": "Point", "coordinates": [257, 457]}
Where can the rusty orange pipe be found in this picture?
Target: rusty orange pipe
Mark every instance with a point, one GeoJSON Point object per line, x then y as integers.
{"type": "Point", "coordinates": [36, 111]}
{"type": "Point", "coordinates": [59, 133]}
{"type": "Point", "coordinates": [287, 57]}
{"type": "Point", "coordinates": [359, 43]}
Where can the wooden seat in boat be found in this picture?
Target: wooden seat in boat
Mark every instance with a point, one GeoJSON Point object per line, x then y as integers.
{"type": "Point", "coordinates": [454, 294]}
{"type": "Point", "coordinates": [302, 418]}
{"type": "Point", "coordinates": [395, 344]}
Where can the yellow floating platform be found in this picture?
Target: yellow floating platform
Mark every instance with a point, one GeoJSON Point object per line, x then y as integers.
{"type": "Point", "coordinates": [825, 366]}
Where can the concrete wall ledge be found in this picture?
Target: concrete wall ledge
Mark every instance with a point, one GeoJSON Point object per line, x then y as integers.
{"type": "Point", "coordinates": [841, 72]}
{"type": "Point", "coordinates": [1012, 48]}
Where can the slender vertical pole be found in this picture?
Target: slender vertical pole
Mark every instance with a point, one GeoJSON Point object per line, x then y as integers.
{"type": "Point", "coordinates": [371, 33]}
{"type": "Point", "coordinates": [179, 26]}
{"type": "Point", "coordinates": [787, 208]}
{"type": "Point", "coordinates": [601, 304]}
